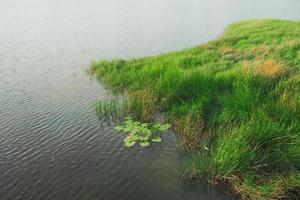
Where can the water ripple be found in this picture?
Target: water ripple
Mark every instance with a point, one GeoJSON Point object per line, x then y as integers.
{"type": "Point", "coordinates": [52, 146]}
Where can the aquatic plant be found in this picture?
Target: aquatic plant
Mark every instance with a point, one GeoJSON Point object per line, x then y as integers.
{"type": "Point", "coordinates": [112, 110]}
{"type": "Point", "coordinates": [234, 102]}
{"type": "Point", "coordinates": [142, 133]}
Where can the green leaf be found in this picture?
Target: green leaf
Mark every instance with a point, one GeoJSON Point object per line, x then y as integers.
{"type": "Point", "coordinates": [131, 137]}
{"type": "Point", "coordinates": [165, 127]}
{"type": "Point", "coordinates": [127, 139]}
{"type": "Point", "coordinates": [130, 144]}
{"type": "Point", "coordinates": [156, 126]}
{"type": "Point", "coordinates": [146, 138]}
{"type": "Point", "coordinates": [156, 139]}
{"type": "Point", "coordinates": [144, 130]}
{"type": "Point", "coordinates": [141, 132]}
{"type": "Point", "coordinates": [119, 128]}
{"type": "Point", "coordinates": [144, 144]}
{"type": "Point", "coordinates": [135, 137]}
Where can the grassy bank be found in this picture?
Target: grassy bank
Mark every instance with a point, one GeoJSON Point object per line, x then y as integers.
{"type": "Point", "coordinates": [235, 102]}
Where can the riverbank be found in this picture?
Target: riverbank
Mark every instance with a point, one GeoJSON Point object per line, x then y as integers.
{"type": "Point", "coordinates": [235, 102]}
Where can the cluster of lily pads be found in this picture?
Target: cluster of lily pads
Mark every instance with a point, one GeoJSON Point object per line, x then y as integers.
{"type": "Point", "coordinates": [142, 133]}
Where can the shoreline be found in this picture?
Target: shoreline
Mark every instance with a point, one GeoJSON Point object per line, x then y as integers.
{"type": "Point", "coordinates": [234, 102]}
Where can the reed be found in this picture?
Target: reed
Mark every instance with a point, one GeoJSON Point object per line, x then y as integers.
{"type": "Point", "coordinates": [112, 110]}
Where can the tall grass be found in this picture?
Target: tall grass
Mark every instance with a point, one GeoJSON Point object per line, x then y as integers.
{"type": "Point", "coordinates": [112, 110]}
{"type": "Point", "coordinates": [235, 103]}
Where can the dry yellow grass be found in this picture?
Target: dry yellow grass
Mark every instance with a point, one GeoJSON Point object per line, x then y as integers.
{"type": "Point", "coordinates": [260, 50]}
{"type": "Point", "coordinates": [226, 50]}
{"type": "Point", "coordinates": [268, 68]}
{"type": "Point", "coordinates": [247, 191]}
{"type": "Point", "coordinates": [192, 131]}
{"type": "Point", "coordinates": [289, 101]}
{"type": "Point", "coordinates": [145, 101]}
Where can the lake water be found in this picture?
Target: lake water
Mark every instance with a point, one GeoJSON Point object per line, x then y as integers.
{"type": "Point", "coordinates": [52, 146]}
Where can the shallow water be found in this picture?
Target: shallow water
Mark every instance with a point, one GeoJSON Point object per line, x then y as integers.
{"type": "Point", "coordinates": [52, 146]}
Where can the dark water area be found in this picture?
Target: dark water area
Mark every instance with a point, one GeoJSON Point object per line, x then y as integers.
{"type": "Point", "coordinates": [52, 146]}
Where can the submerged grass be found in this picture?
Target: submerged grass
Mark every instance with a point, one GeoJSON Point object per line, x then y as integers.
{"type": "Point", "coordinates": [112, 110]}
{"type": "Point", "coordinates": [235, 102]}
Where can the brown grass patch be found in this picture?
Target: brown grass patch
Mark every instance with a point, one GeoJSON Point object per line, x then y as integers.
{"type": "Point", "coordinates": [268, 68]}
{"type": "Point", "coordinates": [289, 101]}
{"type": "Point", "coordinates": [260, 50]}
{"type": "Point", "coordinates": [226, 50]}
{"type": "Point", "coordinates": [288, 96]}
{"type": "Point", "coordinates": [191, 131]}
{"type": "Point", "coordinates": [292, 43]}
{"type": "Point", "coordinates": [247, 192]}
{"type": "Point", "coordinates": [191, 177]}
{"type": "Point", "coordinates": [143, 104]}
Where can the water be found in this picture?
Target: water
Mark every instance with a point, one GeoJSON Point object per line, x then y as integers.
{"type": "Point", "coordinates": [52, 146]}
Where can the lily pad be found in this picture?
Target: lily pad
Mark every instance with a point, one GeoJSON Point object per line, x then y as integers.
{"type": "Point", "coordinates": [144, 138]}
{"type": "Point", "coordinates": [142, 133]}
{"type": "Point", "coordinates": [156, 126]}
{"type": "Point", "coordinates": [164, 127]}
{"type": "Point", "coordinates": [156, 139]}
{"type": "Point", "coordinates": [129, 143]}
{"type": "Point", "coordinates": [129, 138]}
{"type": "Point", "coordinates": [144, 144]}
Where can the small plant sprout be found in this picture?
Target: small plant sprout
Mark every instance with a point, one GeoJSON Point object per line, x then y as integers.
{"type": "Point", "coordinates": [142, 133]}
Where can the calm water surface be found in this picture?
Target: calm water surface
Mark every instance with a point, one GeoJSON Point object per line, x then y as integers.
{"type": "Point", "coordinates": [52, 146]}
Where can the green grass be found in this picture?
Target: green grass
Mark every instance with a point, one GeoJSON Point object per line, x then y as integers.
{"type": "Point", "coordinates": [113, 110]}
{"type": "Point", "coordinates": [234, 102]}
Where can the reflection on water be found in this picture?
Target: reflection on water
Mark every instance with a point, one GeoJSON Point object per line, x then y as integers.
{"type": "Point", "coordinates": [52, 146]}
